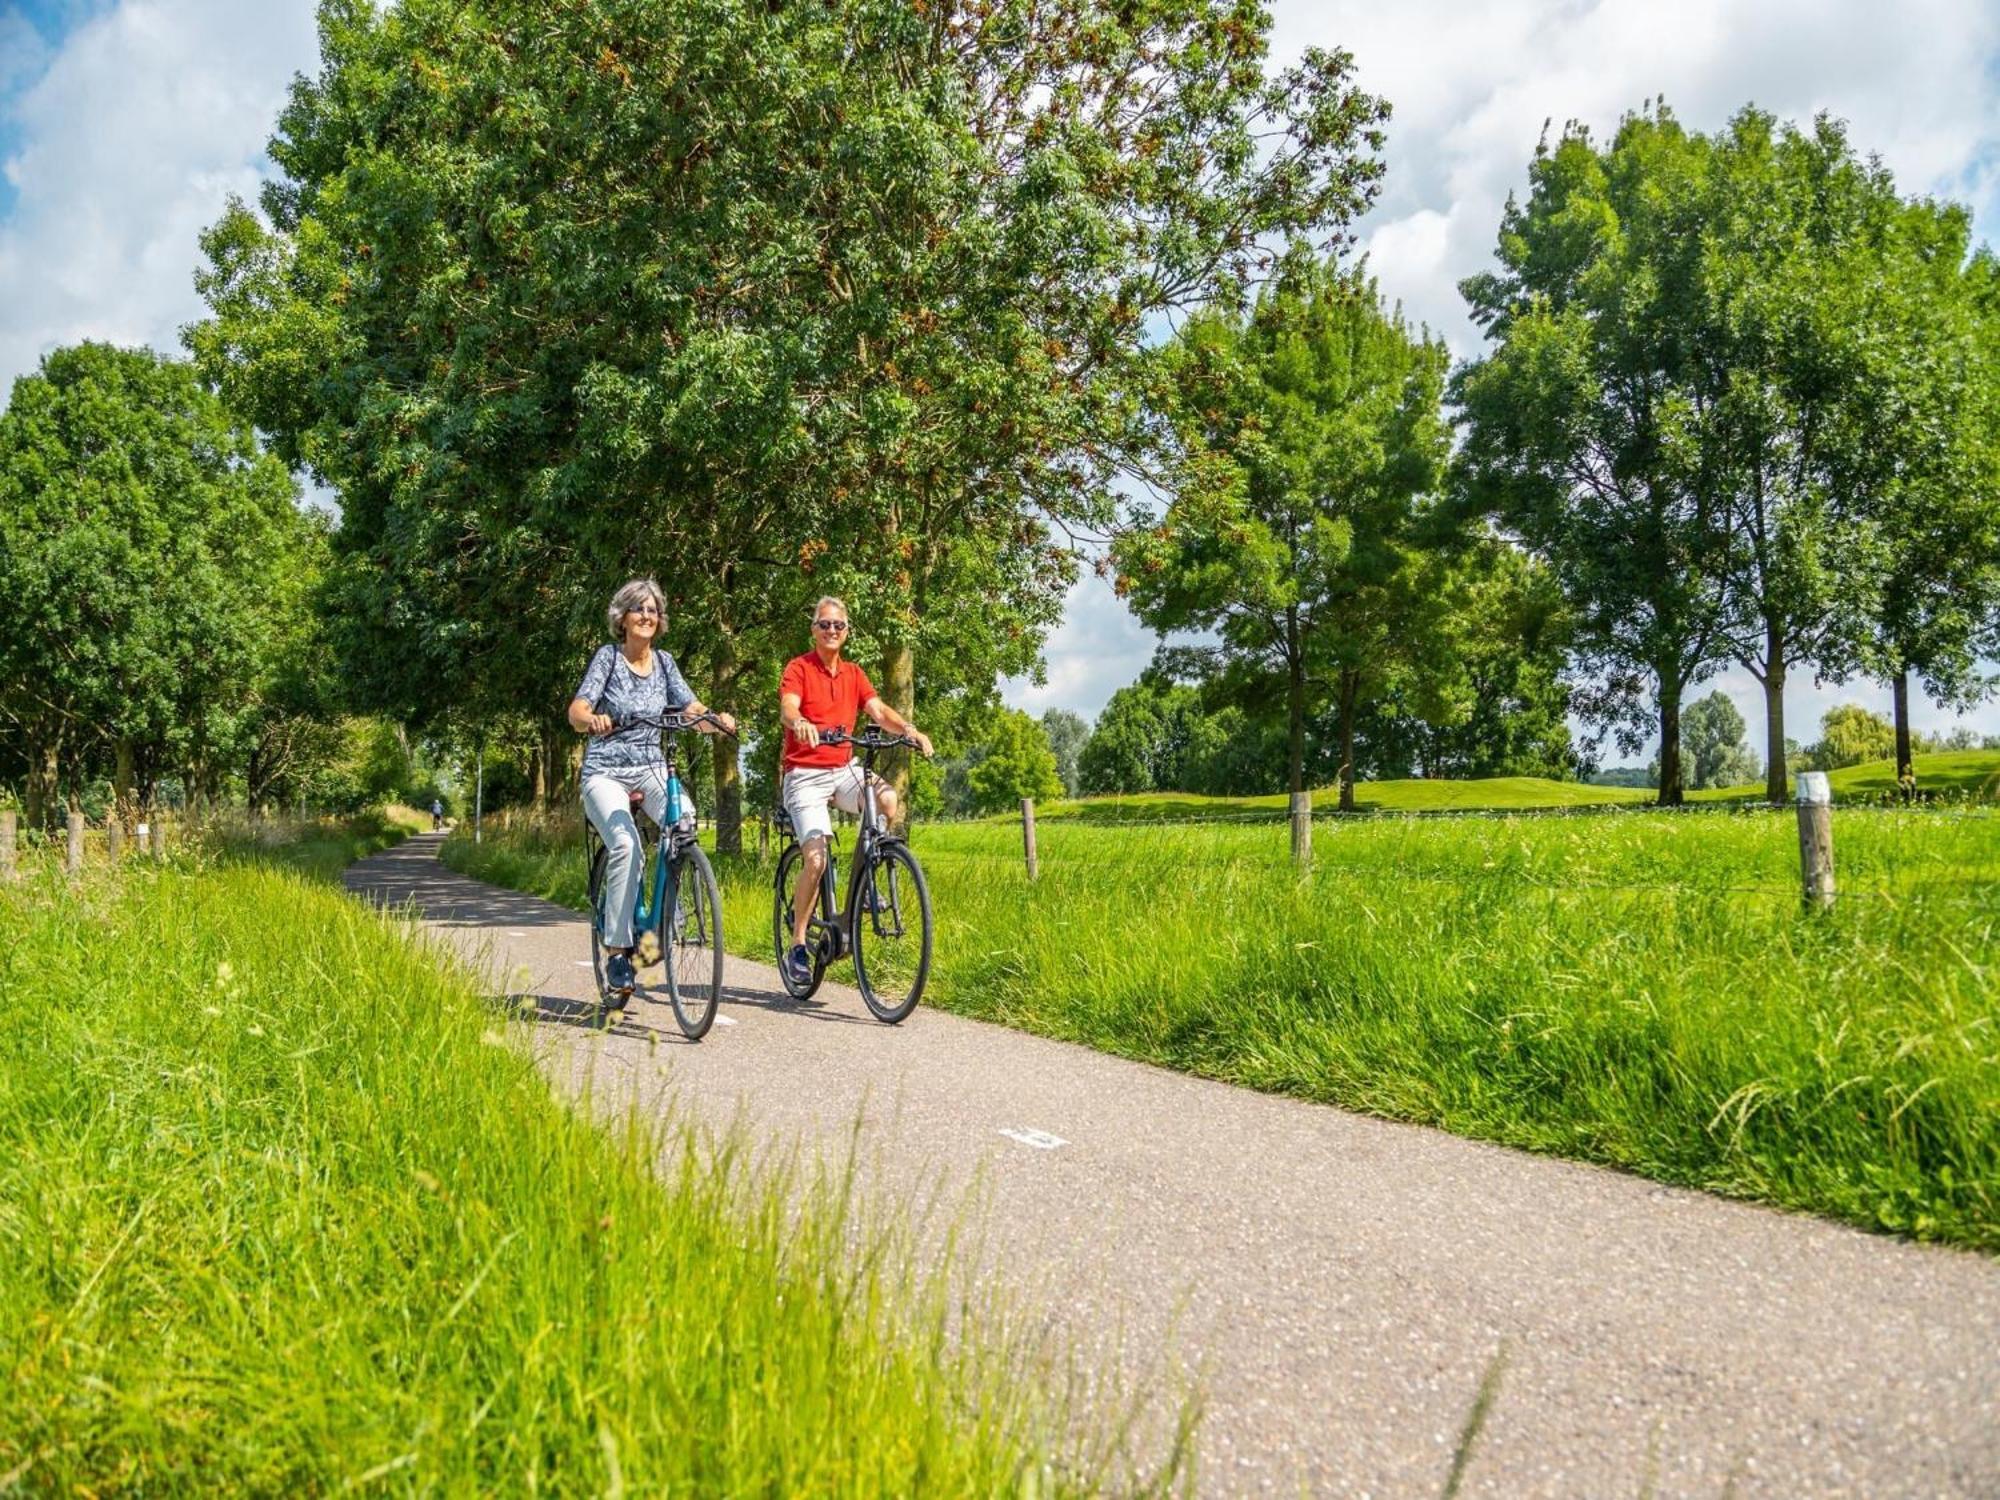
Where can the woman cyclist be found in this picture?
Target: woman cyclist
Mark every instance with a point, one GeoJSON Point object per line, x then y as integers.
{"type": "Point", "coordinates": [628, 679]}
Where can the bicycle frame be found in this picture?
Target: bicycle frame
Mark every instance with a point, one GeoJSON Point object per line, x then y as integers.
{"type": "Point", "coordinates": [649, 910]}
{"type": "Point", "coordinates": [836, 920]}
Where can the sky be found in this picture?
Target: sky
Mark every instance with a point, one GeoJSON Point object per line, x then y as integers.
{"type": "Point", "coordinates": [125, 126]}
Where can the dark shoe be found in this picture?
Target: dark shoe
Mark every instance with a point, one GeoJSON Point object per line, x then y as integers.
{"type": "Point", "coordinates": [798, 967]}
{"type": "Point", "coordinates": [618, 975]}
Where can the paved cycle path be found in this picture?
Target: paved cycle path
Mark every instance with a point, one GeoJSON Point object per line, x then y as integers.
{"type": "Point", "coordinates": [1341, 1286]}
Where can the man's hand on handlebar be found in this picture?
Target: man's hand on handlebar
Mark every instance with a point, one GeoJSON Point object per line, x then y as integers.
{"type": "Point", "coordinates": [805, 733]}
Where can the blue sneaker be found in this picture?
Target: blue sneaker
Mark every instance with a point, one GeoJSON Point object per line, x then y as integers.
{"type": "Point", "coordinates": [798, 967]}
{"type": "Point", "coordinates": [618, 974]}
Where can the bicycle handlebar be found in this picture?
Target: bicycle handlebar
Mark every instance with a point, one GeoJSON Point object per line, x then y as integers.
{"type": "Point", "coordinates": [869, 739]}
{"type": "Point", "coordinates": [672, 723]}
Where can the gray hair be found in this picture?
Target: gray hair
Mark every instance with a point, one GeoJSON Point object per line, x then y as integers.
{"type": "Point", "coordinates": [630, 597]}
{"type": "Point", "coordinates": [826, 599]}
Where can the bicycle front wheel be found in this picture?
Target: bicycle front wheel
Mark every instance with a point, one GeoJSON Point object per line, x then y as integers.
{"type": "Point", "coordinates": [693, 931]}
{"type": "Point", "coordinates": [890, 913]}
{"type": "Point", "coordinates": [599, 879]}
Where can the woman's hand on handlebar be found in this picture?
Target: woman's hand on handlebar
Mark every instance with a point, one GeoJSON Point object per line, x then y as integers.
{"type": "Point", "coordinates": [600, 724]}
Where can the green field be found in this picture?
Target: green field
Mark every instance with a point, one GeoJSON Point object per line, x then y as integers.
{"type": "Point", "coordinates": [1640, 990]}
{"type": "Point", "coordinates": [284, 1209]}
{"type": "Point", "coordinates": [1956, 776]}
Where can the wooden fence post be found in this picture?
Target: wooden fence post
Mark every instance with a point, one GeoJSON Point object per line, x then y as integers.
{"type": "Point", "coordinates": [1028, 837]}
{"type": "Point", "coordinates": [763, 838]}
{"type": "Point", "coordinates": [1816, 839]}
{"type": "Point", "coordinates": [9, 823]}
{"type": "Point", "coordinates": [114, 837]}
{"type": "Point", "coordinates": [1302, 829]}
{"type": "Point", "coordinates": [160, 835]}
{"type": "Point", "coordinates": [74, 864]}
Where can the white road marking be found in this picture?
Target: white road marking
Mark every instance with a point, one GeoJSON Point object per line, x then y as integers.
{"type": "Point", "coordinates": [517, 934]}
{"type": "Point", "coordinates": [724, 1021]}
{"type": "Point", "coordinates": [581, 963]}
{"type": "Point", "coordinates": [1027, 1135]}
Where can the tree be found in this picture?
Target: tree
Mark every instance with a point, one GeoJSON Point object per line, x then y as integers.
{"type": "Point", "coordinates": [1850, 735]}
{"type": "Point", "coordinates": [1018, 763]}
{"type": "Point", "coordinates": [1712, 736]}
{"type": "Point", "coordinates": [1067, 734]}
{"type": "Point", "coordinates": [1492, 697]}
{"type": "Point", "coordinates": [153, 567]}
{"type": "Point", "coordinates": [1140, 741]}
{"type": "Point", "coordinates": [1929, 476]}
{"type": "Point", "coordinates": [1584, 433]}
{"type": "Point", "coordinates": [1312, 431]}
{"type": "Point", "coordinates": [768, 299]}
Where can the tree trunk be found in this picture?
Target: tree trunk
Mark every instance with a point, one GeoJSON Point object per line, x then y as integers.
{"type": "Point", "coordinates": [121, 782]}
{"type": "Point", "coordinates": [1350, 685]}
{"type": "Point", "coordinates": [1902, 691]}
{"type": "Point", "coordinates": [554, 763]}
{"type": "Point", "coordinates": [42, 786]}
{"type": "Point", "coordinates": [899, 687]}
{"type": "Point", "coordinates": [1672, 794]}
{"type": "Point", "coordinates": [1296, 723]}
{"type": "Point", "coordinates": [1776, 788]}
{"type": "Point", "coordinates": [538, 775]}
{"type": "Point", "coordinates": [723, 752]}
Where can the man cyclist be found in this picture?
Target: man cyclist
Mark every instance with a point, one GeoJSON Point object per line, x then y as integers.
{"type": "Point", "coordinates": [820, 691]}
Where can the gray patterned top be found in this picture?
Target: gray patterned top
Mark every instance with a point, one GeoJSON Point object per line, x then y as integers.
{"type": "Point", "coordinates": [611, 687]}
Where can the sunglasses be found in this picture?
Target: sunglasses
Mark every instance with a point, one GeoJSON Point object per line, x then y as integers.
{"type": "Point", "coordinates": [646, 609]}
{"type": "Point", "coordinates": [833, 625]}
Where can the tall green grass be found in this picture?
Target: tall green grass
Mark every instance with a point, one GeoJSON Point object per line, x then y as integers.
{"type": "Point", "coordinates": [284, 1208]}
{"type": "Point", "coordinates": [1641, 990]}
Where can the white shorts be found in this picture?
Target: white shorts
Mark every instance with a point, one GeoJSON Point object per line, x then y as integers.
{"type": "Point", "coordinates": [808, 789]}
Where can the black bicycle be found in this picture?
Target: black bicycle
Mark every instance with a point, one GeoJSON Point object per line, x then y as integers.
{"type": "Point", "coordinates": [886, 923]}
{"type": "Point", "coordinates": [676, 907]}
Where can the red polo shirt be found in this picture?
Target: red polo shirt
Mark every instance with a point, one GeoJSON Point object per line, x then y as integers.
{"type": "Point", "coordinates": [827, 699]}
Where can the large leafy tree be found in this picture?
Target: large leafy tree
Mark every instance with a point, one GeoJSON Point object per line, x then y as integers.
{"type": "Point", "coordinates": [1928, 478]}
{"type": "Point", "coordinates": [1491, 698]}
{"type": "Point", "coordinates": [766, 299]}
{"type": "Point", "coordinates": [1585, 434]}
{"type": "Point", "coordinates": [1312, 436]}
{"type": "Point", "coordinates": [151, 563]}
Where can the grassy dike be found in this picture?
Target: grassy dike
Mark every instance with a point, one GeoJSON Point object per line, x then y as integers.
{"type": "Point", "coordinates": [1639, 990]}
{"type": "Point", "coordinates": [283, 1209]}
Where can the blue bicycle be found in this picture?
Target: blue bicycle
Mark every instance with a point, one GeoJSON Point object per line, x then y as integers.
{"type": "Point", "coordinates": [677, 909]}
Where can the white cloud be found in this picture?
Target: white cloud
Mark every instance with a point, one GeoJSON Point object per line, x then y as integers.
{"type": "Point", "coordinates": [1099, 647]}
{"type": "Point", "coordinates": [128, 144]}
{"type": "Point", "coordinates": [1474, 87]}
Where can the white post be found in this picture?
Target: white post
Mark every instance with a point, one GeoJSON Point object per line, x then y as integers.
{"type": "Point", "coordinates": [1816, 838]}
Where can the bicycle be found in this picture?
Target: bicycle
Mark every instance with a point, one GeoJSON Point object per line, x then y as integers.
{"type": "Point", "coordinates": [886, 884]}
{"type": "Point", "coordinates": [677, 914]}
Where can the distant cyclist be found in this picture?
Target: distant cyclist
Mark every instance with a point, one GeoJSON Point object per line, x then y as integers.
{"type": "Point", "coordinates": [820, 691]}
{"type": "Point", "coordinates": [437, 814]}
{"type": "Point", "coordinates": [626, 680]}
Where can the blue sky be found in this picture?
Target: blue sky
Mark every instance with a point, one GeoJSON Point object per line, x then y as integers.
{"type": "Point", "coordinates": [126, 124]}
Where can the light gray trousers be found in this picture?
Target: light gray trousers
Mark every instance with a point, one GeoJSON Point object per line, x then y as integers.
{"type": "Point", "coordinates": [607, 803]}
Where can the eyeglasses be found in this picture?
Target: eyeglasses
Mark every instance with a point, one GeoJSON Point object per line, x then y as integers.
{"type": "Point", "coordinates": [836, 626]}
{"type": "Point", "coordinates": [645, 609]}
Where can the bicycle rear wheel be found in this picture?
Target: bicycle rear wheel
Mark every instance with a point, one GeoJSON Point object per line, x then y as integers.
{"type": "Point", "coordinates": [693, 932]}
{"type": "Point", "coordinates": [784, 883]}
{"type": "Point", "coordinates": [889, 910]}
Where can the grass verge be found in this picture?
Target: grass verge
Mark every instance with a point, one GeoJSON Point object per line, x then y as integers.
{"type": "Point", "coordinates": [283, 1209]}
{"type": "Point", "coordinates": [1641, 991]}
